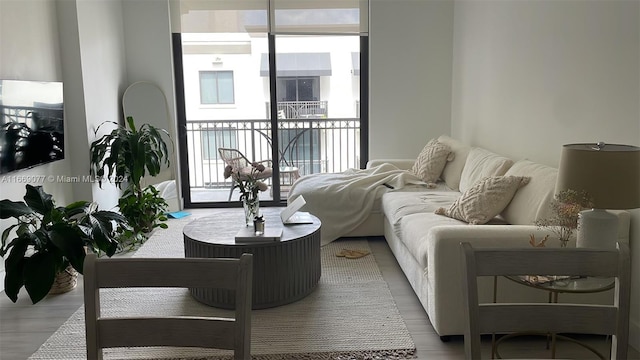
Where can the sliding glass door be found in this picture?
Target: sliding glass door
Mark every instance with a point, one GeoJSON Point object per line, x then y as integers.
{"type": "Point", "coordinates": [276, 80]}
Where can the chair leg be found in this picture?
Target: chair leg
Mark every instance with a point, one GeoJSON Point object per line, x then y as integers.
{"type": "Point", "coordinates": [231, 192]}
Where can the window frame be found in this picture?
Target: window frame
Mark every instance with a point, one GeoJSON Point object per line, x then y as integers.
{"type": "Point", "coordinates": [216, 79]}
{"type": "Point", "coordinates": [315, 86]}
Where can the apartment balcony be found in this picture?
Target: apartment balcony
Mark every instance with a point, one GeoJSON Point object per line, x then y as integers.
{"type": "Point", "coordinates": [300, 109]}
{"type": "Point", "coordinates": [312, 145]}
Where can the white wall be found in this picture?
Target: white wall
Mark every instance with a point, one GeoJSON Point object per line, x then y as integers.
{"type": "Point", "coordinates": [73, 91]}
{"type": "Point", "coordinates": [149, 58]}
{"type": "Point", "coordinates": [148, 48]}
{"type": "Point", "coordinates": [529, 76]}
{"type": "Point", "coordinates": [92, 61]}
{"type": "Point", "coordinates": [104, 79]}
{"type": "Point", "coordinates": [410, 75]}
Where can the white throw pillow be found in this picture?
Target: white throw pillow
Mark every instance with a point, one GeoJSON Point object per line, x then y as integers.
{"type": "Point", "coordinates": [453, 169]}
{"type": "Point", "coordinates": [431, 161]}
{"type": "Point", "coordinates": [480, 164]}
{"type": "Point", "coordinates": [484, 200]}
{"type": "Point", "coordinates": [534, 201]}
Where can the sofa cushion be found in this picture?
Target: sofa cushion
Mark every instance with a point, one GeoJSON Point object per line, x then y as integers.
{"type": "Point", "coordinates": [414, 229]}
{"type": "Point", "coordinates": [480, 164]}
{"type": "Point", "coordinates": [453, 169]}
{"type": "Point", "coordinates": [484, 200]}
{"type": "Point", "coordinates": [431, 161]}
{"type": "Point", "coordinates": [533, 201]}
{"type": "Point", "coordinates": [397, 204]}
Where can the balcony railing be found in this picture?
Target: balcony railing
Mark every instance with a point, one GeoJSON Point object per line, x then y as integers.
{"type": "Point", "coordinates": [311, 145]}
{"type": "Point", "coordinates": [300, 109]}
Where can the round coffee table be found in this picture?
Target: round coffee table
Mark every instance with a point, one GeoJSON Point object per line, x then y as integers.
{"type": "Point", "coordinates": [283, 271]}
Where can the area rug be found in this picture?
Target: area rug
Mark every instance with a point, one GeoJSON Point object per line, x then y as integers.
{"type": "Point", "coordinates": [351, 315]}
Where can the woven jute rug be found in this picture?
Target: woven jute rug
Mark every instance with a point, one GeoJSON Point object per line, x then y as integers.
{"type": "Point", "coordinates": [350, 315]}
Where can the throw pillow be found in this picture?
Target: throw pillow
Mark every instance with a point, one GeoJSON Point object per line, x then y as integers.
{"type": "Point", "coordinates": [480, 164]}
{"type": "Point", "coordinates": [484, 200]}
{"type": "Point", "coordinates": [431, 161]}
{"type": "Point", "coordinates": [534, 201]}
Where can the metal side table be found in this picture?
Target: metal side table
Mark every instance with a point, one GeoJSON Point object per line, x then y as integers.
{"type": "Point", "coordinates": [583, 285]}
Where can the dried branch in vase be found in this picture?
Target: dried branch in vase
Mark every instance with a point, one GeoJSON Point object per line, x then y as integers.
{"type": "Point", "coordinates": [565, 208]}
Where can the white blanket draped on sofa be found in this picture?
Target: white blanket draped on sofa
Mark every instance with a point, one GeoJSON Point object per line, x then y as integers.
{"type": "Point", "coordinates": [342, 201]}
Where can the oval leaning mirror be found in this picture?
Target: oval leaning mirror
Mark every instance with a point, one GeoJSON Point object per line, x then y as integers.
{"type": "Point", "coordinates": [147, 104]}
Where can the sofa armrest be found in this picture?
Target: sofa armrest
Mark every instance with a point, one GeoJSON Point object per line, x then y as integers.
{"type": "Point", "coordinates": [444, 271]}
{"type": "Point", "coordinates": [444, 266]}
{"type": "Point", "coordinates": [442, 237]}
{"type": "Point", "coordinates": [444, 244]}
{"type": "Point", "coordinates": [403, 164]}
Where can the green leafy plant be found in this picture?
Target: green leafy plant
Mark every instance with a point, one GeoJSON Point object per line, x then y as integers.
{"type": "Point", "coordinates": [48, 238]}
{"type": "Point", "coordinates": [125, 156]}
{"type": "Point", "coordinates": [148, 212]}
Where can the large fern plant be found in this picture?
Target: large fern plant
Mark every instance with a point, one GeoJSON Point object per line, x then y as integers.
{"type": "Point", "coordinates": [124, 157]}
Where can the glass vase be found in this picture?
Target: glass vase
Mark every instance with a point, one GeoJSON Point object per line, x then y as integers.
{"type": "Point", "coordinates": [563, 242]}
{"type": "Point", "coordinates": [251, 205]}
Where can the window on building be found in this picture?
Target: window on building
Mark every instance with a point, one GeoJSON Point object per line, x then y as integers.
{"type": "Point", "coordinates": [216, 87]}
{"type": "Point", "coordinates": [214, 139]}
{"type": "Point", "coordinates": [299, 89]}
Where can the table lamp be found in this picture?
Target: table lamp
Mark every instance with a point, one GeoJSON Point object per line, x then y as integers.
{"type": "Point", "coordinates": [610, 174]}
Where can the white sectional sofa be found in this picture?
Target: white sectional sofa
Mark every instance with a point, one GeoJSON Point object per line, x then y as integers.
{"type": "Point", "coordinates": [426, 245]}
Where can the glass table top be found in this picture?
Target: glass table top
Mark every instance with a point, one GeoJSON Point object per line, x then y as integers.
{"type": "Point", "coordinates": [587, 284]}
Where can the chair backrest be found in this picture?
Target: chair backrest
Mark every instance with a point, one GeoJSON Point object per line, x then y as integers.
{"type": "Point", "coordinates": [546, 317]}
{"type": "Point", "coordinates": [234, 157]}
{"type": "Point", "coordinates": [184, 331]}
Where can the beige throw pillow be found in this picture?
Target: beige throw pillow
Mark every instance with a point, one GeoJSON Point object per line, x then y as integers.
{"type": "Point", "coordinates": [431, 161]}
{"type": "Point", "coordinates": [484, 200]}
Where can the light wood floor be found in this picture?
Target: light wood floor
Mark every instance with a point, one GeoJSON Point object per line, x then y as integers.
{"type": "Point", "coordinates": [24, 327]}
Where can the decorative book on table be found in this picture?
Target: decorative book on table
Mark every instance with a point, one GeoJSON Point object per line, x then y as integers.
{"type": "Point", "coordinates": [247, 234]}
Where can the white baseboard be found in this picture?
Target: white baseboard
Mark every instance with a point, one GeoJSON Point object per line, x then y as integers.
{"type": "Point", "coordinates": [634, 334]}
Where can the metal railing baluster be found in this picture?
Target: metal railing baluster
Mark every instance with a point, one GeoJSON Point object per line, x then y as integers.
{"type": "Point", "coordinates": [314, 145]}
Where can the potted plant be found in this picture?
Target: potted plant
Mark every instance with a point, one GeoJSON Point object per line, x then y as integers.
{"type": "Point", "coordinates": [125, 156]}
{"type": "Point", "coordinates": [49, 238]}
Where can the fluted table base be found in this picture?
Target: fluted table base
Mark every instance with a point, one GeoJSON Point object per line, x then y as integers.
{"type": "Point", "coordinates": [283, 271]}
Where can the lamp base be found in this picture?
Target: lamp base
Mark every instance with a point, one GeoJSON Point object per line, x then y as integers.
{"type": "Point", "coordinates": [597, 228]}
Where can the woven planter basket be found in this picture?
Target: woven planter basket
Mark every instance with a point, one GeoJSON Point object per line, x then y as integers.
{"type": "Point", "coordinates": [65, 281]}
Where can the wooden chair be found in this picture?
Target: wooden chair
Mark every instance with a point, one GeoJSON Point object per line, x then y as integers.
{"type": "Point", "coordinates": [182, 331]}
{"type": "Point", "coordinates": [240, 163]}
{"type": "Point", "coordinates": [546, 317]}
